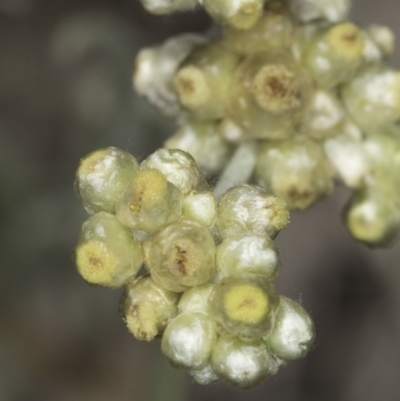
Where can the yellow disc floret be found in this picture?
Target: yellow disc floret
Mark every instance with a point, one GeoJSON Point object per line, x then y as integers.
{"type": "Point", "coordinates": [149, 187]}
{"type": "Point", "coordinates": [246, 303]}
{"type": "Point", "coordinates": [95, 262]}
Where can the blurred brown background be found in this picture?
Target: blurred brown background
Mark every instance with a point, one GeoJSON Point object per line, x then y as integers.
{"type": "Point", "coordinates": [65, 89]}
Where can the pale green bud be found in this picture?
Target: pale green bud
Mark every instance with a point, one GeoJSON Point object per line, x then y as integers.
{"type": "Point", "coordinates": [243, 254]}
{"type": "Point", "coordinates": [149, 202]}
{"type": "Point", "coordinates": [293, 333]}
{"type": "Point", "coordinates": [202, 207]}
{"type": "Point", "coordinates": [102, 177]}
{"type": "Point", "coordinates": [196, 299]}
{"type": "Point", "coordinates": [372, 99]}
{"type": "Point", "coordinates": [147, 308]}
{"type": "Point", "coordinates": [204, 79]}
{"type": "Point", "coordinates": [167, 6]}
{"type": "Point", "coordinates": [246, 209]}
{"type": "Point", "coordinates": [240, 14]}
{"type": "Point", "coordinates": [107, 253]}
{"type": "Point", "coordinates": [348, 157]}
{"type": "Point", "coordinates": [203, 141]}
{"type": "Point", "coordinates": [181, 255]}
{"type": "Point", "coordinates": [178, 167]}
{"type": "Point", "coordinates": [324, 116]}
{"type": "Point", "coordinates": [273, 31]}
{"type": "Point", "coordinates": [379, 43]}
{"type": "Point", "coordinates": [241, 364]}
{"type": "Point", "coordinates": [204, 376]}
{"type": "Point", "coordinates": [330, 10]}
{"type": "Point", "coordinates": [268, 95]}
{"type": "Point", "coordinates": [188, 340]}
{"type": "Point", "coordinates": [156, 67]}
{"type": "Point", "coordinates": [244, 306]}
{"type": "Point", "coordinates": [373, 215]}
{"type": "Point", "coordinates": [335, 54]}
{"type": "Point", "coordinates": [295, 170]}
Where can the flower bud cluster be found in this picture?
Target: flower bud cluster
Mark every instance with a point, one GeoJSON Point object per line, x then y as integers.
{"type": "Point", "coordinates": [208, 286]}
{"type": "Point", "coordinates": [311, 89]}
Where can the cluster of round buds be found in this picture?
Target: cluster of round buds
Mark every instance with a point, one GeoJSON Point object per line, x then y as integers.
{"type": "Point", "coordinates": [312, 90]}
{"type": "Point", "coordinates": [207, 287]}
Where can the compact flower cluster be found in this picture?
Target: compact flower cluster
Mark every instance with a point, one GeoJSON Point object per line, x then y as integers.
{"type": "Point", "coordinates": [308, 95]}
{"type": "Point", "coordinates": [207, 288]}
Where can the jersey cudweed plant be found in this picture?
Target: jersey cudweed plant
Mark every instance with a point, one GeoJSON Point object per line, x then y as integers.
{"type": "Point", "coordinates": [291, 97]}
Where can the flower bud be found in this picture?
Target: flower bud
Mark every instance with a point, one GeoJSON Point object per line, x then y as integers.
{"type": "Point", "coordinates": [242, 364]}
{"type": "Point", "coordinates": [203, 141]}
{"type": "Point", "coordinates": [269, 93]}
{"type": "Point", "coordinates": [295, 170]}
{"type": "Point", "coordinates": [107, 253]}
{"type": "Point", "coordinates": [372, 98]}
{"type": "Point", "coordinates": [167, 6]}
{"type": "Point", "coordinates": [244, 306]}
{"type": "Point", "coordinates": [181, 255]}
{"type": "Point", "coordinates": [273, 31]}
{"type": "Point", "coordinates": [188, 340]}
{"type": "Point", "coordinates": [324, 117]}
{"type": "Point", "coordinates": [373, 215]}
{"type": "Point", "coordinates": [246, 209]}
{"type": "Point", "coordinates": [147, 308]}
{"type": "Point", "coordinates": [243, 254]}
{"type": "Point", "coordinates": [150, 202]}
{"type": "Point", "coordinates": [330, 10]}
{"type": "Point", "coordinates": [240, 14]}
{"type": "Point", "coordinates": [293, 333]}
{"type": "Point", "coordinates": [196, 299]}
{"type": "Point", "coordinates": [335, 54]}
{"type": "Point", "coordinates": [102, 177]}
{"type": "Point", "coordinates": [201, 207]}
{"type": "Point", "coordinates": [204, 376]}
{"type": "Point", "coordinates": [204, 79]}
{"type": "Point", "coordinates": [178, 167]}
{"type": "Point", "coordinates": [156, 67]}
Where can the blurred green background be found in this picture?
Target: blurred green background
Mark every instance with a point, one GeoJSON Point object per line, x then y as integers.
{"type": "Point", "coordinates": [65, 90]}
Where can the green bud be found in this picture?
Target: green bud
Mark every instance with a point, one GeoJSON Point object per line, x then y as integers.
{"type": "Point", "coordinates": [196, 299]}
{"type": "Point", "coordinates": [293, 333]}
{"type": "Point", "coordinates": [334, 54]}
{"type": "Point", "coordinates": [244, 306]}
{"type": "Point", "coordinates": [178, 167]}
{"type": "Point", "coordinates": [246, 209]}
{"type": "Point", "coordinates": [147, 308]}
{"type": "Point", "coordinates": [167, 6]}
{"type": "Point", "coordinates": [268, 95]}
{"type": "Point", "coordinates": [156, 67]}
{"type": "Point", "coordinates": [243, 254]}
{"type": "Point", "coordinates": [273, 31]}
{"type": "Point", "coordinates": [324, 117]}
{"type": "Point", "coordinates": [204, 376]}
{"type": "Point", "coordinates": [204, 79]}
{"type": "Point", "coordinates": [201, 206]}
{"type": "Point", "coordinates": [188, 340]}
{"type": "Point", "coordinates": [150, 202]}
{"type": "Point", "coordinates": [373, 215]}
{"type": "Point", "coordinates": [372, 99]}
{"type": "Point", "coordinates": [330, 10]}
{"type": "Point", "coordinates": [348, 157]}
{"type": "Point", "coordinates": [241, 364]}
{"type": "Point", "coordinates": [295, 170]}
{"type": "Point", "coordinates": [102, 177]}
{"type": "Point", "coordinates": [240, 14]}
{"type": "Point", "coordinates": [107, 253]}
{"type": "Point", "coordinates": [382, 39]}
{"type": "Point", "coordinates": [181, 255]}
{"type": "Point", "coordinates": [203, 141]}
